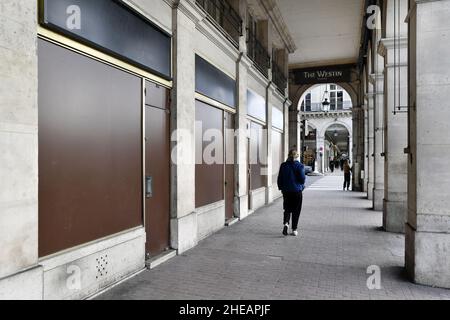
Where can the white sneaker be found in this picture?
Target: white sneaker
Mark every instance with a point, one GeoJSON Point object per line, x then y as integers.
{"type": "Point", "coordinates": [295, 233]}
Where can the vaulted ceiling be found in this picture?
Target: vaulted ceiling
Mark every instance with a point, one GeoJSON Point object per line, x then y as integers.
{"type": "Point", "coordinates": [326, 32]}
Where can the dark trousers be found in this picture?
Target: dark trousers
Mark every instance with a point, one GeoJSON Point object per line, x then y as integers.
{"type": "Point", "coordinates": [347, 178]}
{"type": "Point", "coordinates": [292, 206]}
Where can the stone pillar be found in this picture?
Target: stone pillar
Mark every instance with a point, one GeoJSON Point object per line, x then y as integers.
{"type": "Point", "coordinates": [183, 216]}
{"type": "Point", "coordinates": [320, 159]}
{"type": "Point", "coordinates": [378, 159]}
{"type": "Point", "coordinates": [287, 105]}
{"type": "Point", "coordinates": [268, 137]}
{"type": "Point", "coordinates": [370, 143]}
{"type": "Point", "coordinates": [242, 130]}
{"type": "Point", "coordinates": [394, 49]}
{"type": "Point", "coordinates": [241, 202]}
{"type": "Point", "coordinates": [366, 146]}
{"type": "Point", "coordinates": [356, 147]}
{"type": "Point", "coordinates": [20, 275]}
{"type": "Point", "coordinates": [428, 225]}
{"type": "Point", "coordinates": [294, 128]}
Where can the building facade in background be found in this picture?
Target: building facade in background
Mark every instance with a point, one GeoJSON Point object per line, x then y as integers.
{"type": "Point", "coordinates": [326, 113]}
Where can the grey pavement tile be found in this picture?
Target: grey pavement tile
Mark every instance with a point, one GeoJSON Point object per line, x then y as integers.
{"type": "Point", "coordinates": [339, 238]}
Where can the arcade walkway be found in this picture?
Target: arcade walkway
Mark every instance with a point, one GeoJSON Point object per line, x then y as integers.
{"type": "Point", "coordinates": [339, 238]}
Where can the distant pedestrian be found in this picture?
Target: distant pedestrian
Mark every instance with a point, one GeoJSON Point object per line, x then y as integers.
{"type": "Point", "coordinates": [332, 165]}
{"type": "Point", "coordinates": [347, 175]}
{"type": "Point", "coordinates": [291, 182]}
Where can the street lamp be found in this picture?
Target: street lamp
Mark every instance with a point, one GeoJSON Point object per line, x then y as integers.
{"type": "Point", "coordinates": [326, 103]}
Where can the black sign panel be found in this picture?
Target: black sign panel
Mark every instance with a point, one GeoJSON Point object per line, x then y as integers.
{"type": "Point", "coordinates": [213, 83]}
{"type": "Point", "coordinates": [329, 74]}
{"type": "Point", "coordinates": [111, 27]}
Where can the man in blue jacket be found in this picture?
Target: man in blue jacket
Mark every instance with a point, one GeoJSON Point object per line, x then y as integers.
{"type": "Point", "coordinates": [291, 182]}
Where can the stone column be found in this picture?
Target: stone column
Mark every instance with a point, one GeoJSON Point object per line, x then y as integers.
{"type": "Point", "coordinates": [20, 275]}
{"type": "Point", "coordinates": [183, 216]}
{"type": "Point", "coordinates": [378, 159]}
{"type": "Point", "coordinates": [268, 137]}
{"type": "Point", "coordinates": [357, 146]}
{"type": "Point", "coordinates": [370, 143]}
{"type": "Point", "coordinates": [428, 224]}
{"type": "Point", "coordinates": [242, 130]}
{"type": "Point", "coordinates": [320, 159]}
{"type": "Point", "coordinates": [294, 128]}
{"type": "Point", "coordinates": [394, 49]}
{"type": "Point", "coordinates": [366, 146]}
{"type": "Point", "coordinates": [287, 106]}
{"type": "Point", "coordinates": [242, 138]}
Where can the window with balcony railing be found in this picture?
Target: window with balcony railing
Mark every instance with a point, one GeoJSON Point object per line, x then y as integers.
{"type": "Point", "coordinates": [224, 15]}
{"type": "Point", "coordinates": [258, 54]}
{"type": "Point", "coordinates": [278, 77]}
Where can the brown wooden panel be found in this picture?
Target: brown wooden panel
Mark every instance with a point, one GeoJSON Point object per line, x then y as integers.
{"type": "Point", "coordinates": [257, 152]}
{"type": "Point", "coordinates": [156, 96]}
{"type": "Point", "coordinates": [229, 166]}
{"type": "Point", "coordinates": [209, 178]}
{"type": "Point", "coordinates": [157, 166]}
{"type": "Point", "coordinates": [90, 150]}
{"type": "Point", "coordinates": [277, 153]}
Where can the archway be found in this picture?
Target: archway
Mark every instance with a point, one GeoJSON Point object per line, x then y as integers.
{"type": "Point", "coordinates": [336, 147]}
{"type": "Point", "coordinates": [315, 142]}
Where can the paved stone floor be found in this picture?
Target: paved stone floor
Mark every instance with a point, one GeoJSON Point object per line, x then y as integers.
{"type": "Point", "coordinates": [339, 238]}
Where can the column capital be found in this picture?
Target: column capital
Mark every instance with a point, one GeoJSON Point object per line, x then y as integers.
{"type": "Point", "coordinates": [374, 77]}
{"type": "Point", "coordinates": [387, 44]}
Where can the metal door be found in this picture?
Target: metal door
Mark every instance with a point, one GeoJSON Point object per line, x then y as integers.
{"type": "Point", "coordinates": [229, 166]}
{"type": "Point", "coordinates": [157, 170]}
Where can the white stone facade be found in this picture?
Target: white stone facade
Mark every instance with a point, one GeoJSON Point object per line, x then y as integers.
{"type": "Point", "coordinates": [25, 275]}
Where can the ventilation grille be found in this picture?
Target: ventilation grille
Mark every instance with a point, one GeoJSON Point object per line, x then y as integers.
{"type": "Point", "coordinates": [102, 266]}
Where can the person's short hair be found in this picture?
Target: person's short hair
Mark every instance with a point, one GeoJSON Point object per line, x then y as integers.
{"type": "Point", "coordinates": [293, 154]}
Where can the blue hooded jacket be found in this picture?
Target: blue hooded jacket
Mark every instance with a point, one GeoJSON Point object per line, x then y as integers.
{"type": "Point", "coordinates": [291, 177]}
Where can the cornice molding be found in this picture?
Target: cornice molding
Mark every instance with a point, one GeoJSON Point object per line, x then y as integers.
{"type": "Point", "coordinates": [387, 44]}
{"type": "Point", "coordinates": [246, 61]}
{"type": "Point", "coordinates": [276, 93]}
{"type": "Point", "coordinates": [206, 27]}
{"type": "Point", "coordinates": [374, 77]}
{"type": "Point", "coordinates": [153, 18]}
{"type": "Point", "coordinates": [215, 36]}
{"type": "Point", "coordinates": [171, 3]}
{"type": "Point", "coordinates": [273, 11]}
{"type": "Point", "coordinates": [323, 115]}
{"type": "Point", "coordinates": [258, 76]}
{"type": "Point", "coordinates": [189, 9]}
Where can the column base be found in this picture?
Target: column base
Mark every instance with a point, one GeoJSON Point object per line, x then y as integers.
{"type": "Point", "coordinates": [257, 198]}
{"type": "Point", "coordinates": [370, 191]}
{"type": "Point", "coordinates": [184, 232]}
{"type": "Point", "coordinates": [427, 260]}
{"type": "Point", "coordinates": [378, 199]}
{"type": "Point", "coordinates": [241, 206]}
{"type": "Point", "coordinates": [269, 194]}
{"type": "Point", "coordinates": [91, 269]}
{"type": "Point", "coordinates": [25, 285]}
{"type": "Point", "coordinates": [210, 219]}
{"type": "Point", "coordinates": [394, 216]}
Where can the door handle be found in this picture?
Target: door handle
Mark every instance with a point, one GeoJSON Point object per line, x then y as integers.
{"type": "Point", "coordinates": [148, 187]}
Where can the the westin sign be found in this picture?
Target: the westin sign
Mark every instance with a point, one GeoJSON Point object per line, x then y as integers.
{"type": "Point", "coordinates": [332, 74]}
